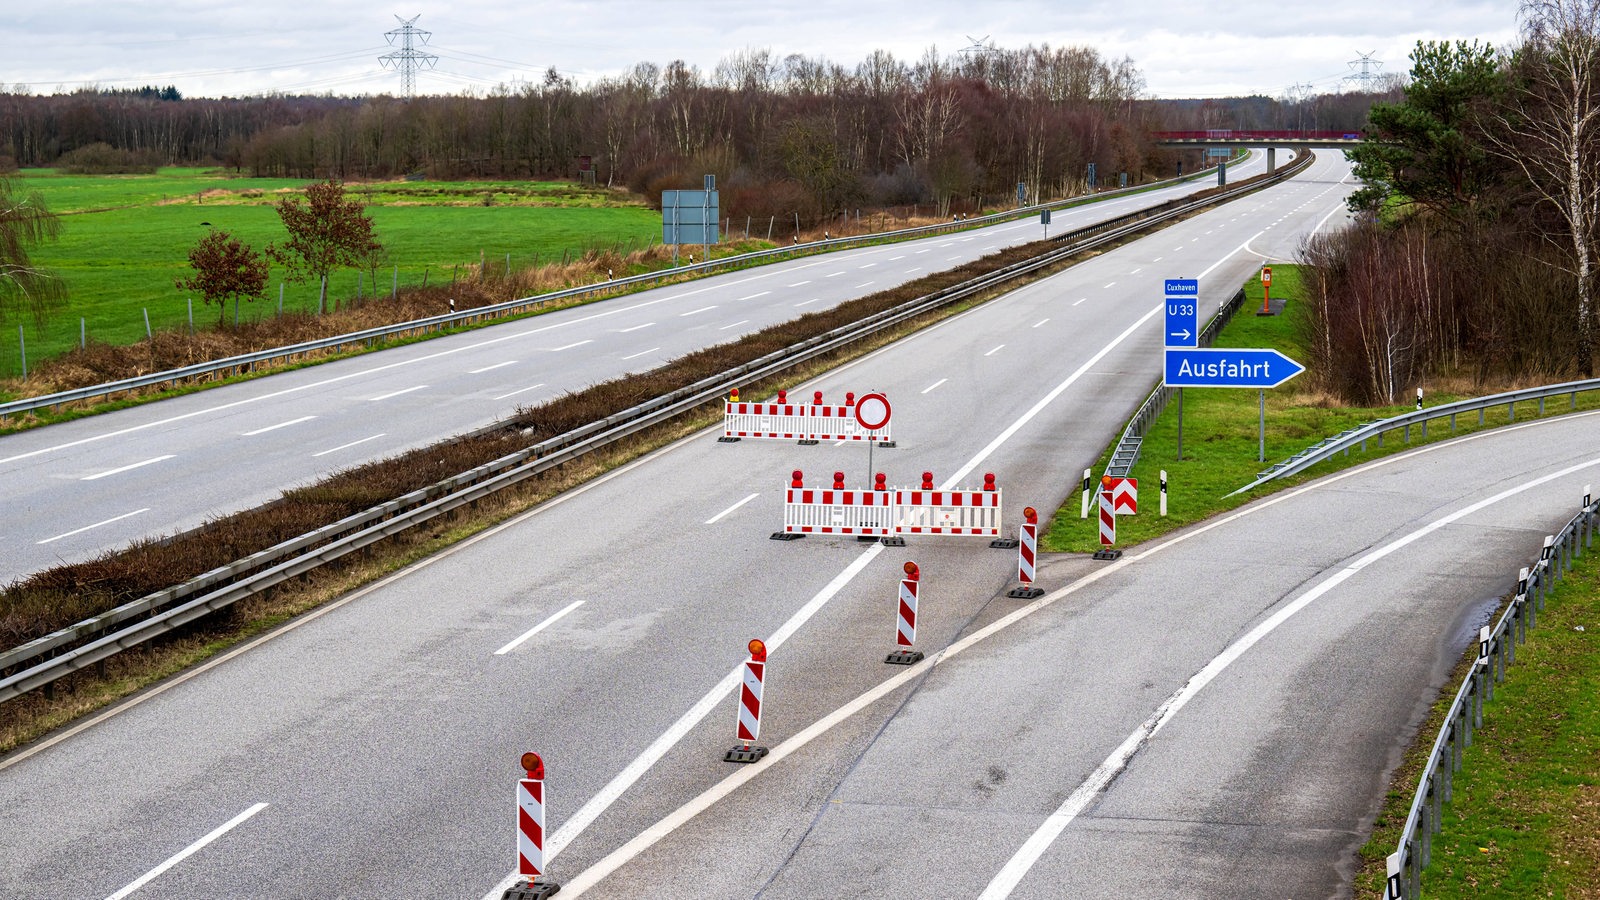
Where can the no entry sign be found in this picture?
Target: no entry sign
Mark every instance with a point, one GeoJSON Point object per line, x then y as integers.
{"type": "Point", "coordinates": [872, 411]}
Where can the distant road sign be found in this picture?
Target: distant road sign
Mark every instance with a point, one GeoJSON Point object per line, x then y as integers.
{"type": "Point", "coordinates": [1183, 317]}
{"type": "Point", "coordinates": [1228, 368]}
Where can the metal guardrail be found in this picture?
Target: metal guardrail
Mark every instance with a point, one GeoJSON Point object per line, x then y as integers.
{"type": "Point", "coordinates": [367, 338]}
{"type": "Point", "coordinates": [221, 587]}
{"type": "Point", "coordinates": [1420, 418]}
{"type": "Point", "coordinates": [1497, 647]}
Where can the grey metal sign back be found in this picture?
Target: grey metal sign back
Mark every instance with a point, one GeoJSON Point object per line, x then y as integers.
{"type": "Point", "coordinates": [690, 217]}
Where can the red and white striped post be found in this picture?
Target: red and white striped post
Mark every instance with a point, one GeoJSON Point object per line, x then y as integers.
{"type": "Point", "coordinates": [1027, 554]}
{"type": "Point", "coordinates": [906, 619]}
{"type": "Point", "coordinates": [749, 726]}
{"type": "Point", "coordinates": [1108, 523]}
{"type": "Point", "coordinates": [530, 835]}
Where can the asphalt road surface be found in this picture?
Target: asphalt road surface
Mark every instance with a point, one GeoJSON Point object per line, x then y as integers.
{"type": "Point", "coordinates": [78, 489]}
{"type": "Point", "coordinates": [1217, 712]}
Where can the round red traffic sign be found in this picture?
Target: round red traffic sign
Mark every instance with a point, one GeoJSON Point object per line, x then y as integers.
{"type": "Point", "coordinates": [872, 411]}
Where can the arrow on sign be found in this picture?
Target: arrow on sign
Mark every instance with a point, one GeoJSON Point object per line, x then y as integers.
{"type": "Point", "coordinates": [1228, 368]}
{"type": "Point", "coordinates": [1182, 334]}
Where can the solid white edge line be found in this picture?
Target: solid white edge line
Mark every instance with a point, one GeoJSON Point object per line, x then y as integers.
{"type": "Point", "coordinates": [537, 628]}
{"type": "Point", "coordinates": [349, 445]}
{"type": "Point", "coordinates": [686, 723]}
{"type": "Point", "coordinates": [718, 517]}
{"type": "Point", "coordinates": [188, 851]}
{"type": "Point", "coordinates": [120, 470]}
{"type": "Point", "coordinates": [89, 527]}
{"type": "Point", "coordinates": [652, 835]}
{"type": "Point", "coordinates": [277, 426]}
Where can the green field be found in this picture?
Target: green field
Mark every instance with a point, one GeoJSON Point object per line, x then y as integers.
{"type": "Point", "coordinates": [125, 240]}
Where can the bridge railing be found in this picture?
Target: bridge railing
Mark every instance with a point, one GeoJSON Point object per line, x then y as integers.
{"type": "Point", "coordinates": [1221, 134]}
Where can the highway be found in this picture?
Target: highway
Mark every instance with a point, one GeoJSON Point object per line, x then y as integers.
{"type": "Point", "coordinates": [371, 747]}
{"type": "Point", "coordinates": [77, 489]}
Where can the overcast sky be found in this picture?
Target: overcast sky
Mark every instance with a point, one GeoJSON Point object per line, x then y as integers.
{"type": "Point", "coordinates": [1185, 48]}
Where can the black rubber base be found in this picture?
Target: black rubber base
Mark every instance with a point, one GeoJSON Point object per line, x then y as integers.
{"type": "Point", "coordinates": [888, 445]}
{"type": "Point", "coordinates": [537, 889]}
{"type": "Point", "coordinates": [744, 753]}
{"type": "Point", "coordinates": [904, 657]}
{"type": "Point", "coordinates": [786, 536]}
{"type": "Point", "coordinates": [893, 541]}
{"type": "Point", "coordinates": [1025, 593]}
{"type": "Point", "coordinates": [727, 440]}
{"type": "Point", "coordinates": [1004, 544]}
{"type": "Point", "coordinates": [1108, 554]}
{"type": "Point", "coordinates": [865, 538]}
{"type": "Point", "coordinates": [807, 443]}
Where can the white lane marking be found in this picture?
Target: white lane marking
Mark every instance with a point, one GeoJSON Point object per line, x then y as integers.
{"type": "Point", "coordinates": [995, 350]}
{"type": "Point", "coordinates": [867, 266]}
{"type": "Point", "coordinates": [718, 517]}
{"type": "Point", "coordinates": [520, 391]}
{"type": "Point", "coordinates": [636, 328]}
{"type": "Point", "coordinates": [396, 393]}
{"type": "Point", "coordinates": [89, 527]}
{"type": "Point", "coordinates": [1158, 259]}
{"type": "Point", "coordinates": [277, 426]}
{"type": "Point", "coordinates": [799, 283]}
{"type": "Point", "coordinates": [640, 353]}
{"type": "Point", "coordinates": [753, 296]}
{"type": "Point", "coordinates": [609, 794]}
{"type": "Point", "coordinates": [930, 249]}
{"type": "Point", "coordinates": [807, 302]}
{"type": "Point", "coordinates": [1040, 322]}
{"type": "Point", "coordinates": [913, 269]}
{"type": "Point", "coordinates": [1012, 873]}
{"type": "Point", "coordinates": [864, 284]}
{"type": "Point", "coordinates": [121, 469]}
{"type": "Point", "coordinates": [349, 445]}
{"type": "Point", "coordinates": [537, 628]}
{"type": "Point", "coordinates": [1111, 284]}
{"type": "Point", "coordinates": [569, 346]}
{"type": "Point", "coordinates": [1137, 271]}
{"type": "Point", "coordinates": [734, 325]}
{"type": "Point", "coordinates": [1079, 300]}
{"type": "Point", "coordinates": [833, 275]}
{"type": "Point", "coordinates": [696, 312]}
{"type": "Point", "coordinates": [188, 851]}
{"type": "Point", "coordinates": [896, 258]}
{"type": "Point", "coordinates": [502, 365]}
{"type": "Point", "coordinates": [934, 385]}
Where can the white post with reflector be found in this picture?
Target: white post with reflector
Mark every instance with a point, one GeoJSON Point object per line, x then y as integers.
{"type": "Point", "coordinates": [1086, 477]}
{"type": "Point", "coordinates": [530, 835]}
{"type": "Point", "coordinates": [1027, 555]}
{"type": "Point", "coordinates": [905, 633]}
{"type": "Point", "coordinates": [750, 689]}
{"type": "Point", "coordinates": [1163, 493]}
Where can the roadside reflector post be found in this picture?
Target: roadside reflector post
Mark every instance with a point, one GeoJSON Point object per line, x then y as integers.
{"type": "Point", "coordinates": [906, 619]}
{"type": "Point", "coordinates": [534, 885]}
{"type": "Point", "coordinates": [1419, 406]}
{"type": "Point", "coordinates": [1027, 554]}
{"type": "Point", "coordinates": [1163, 493]}
{"type": "Point", "coordinates": [749, 724]}
{"type": "Point", "coordinates": [1108, 523]}
{"type": "Point", "coordinates": [1086, 482]}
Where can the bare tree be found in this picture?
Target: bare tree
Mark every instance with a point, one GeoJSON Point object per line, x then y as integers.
{"type": "Point", "coordinates": [1550, 129]}
{"type": "Point", "coordinates": [24, 287]}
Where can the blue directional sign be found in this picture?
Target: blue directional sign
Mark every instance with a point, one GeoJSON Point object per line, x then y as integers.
{"type": "Point", "coordinates": [1210, 367]}
{"type": "Point", "coordinates": [1183, 319]}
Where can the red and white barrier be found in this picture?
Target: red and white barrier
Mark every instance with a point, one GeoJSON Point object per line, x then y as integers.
{"type": "Point", "coordinates": [815, 421]}
{"type": "Point", "coordinates": [959, 512]}
{"type": "Point", "coordinates": [905, 632]}
{"type": "Point", "coordinates": [530, 833]}
{"type": "Point", "coordinates": [837, 511]}
{"type": "Point", "coordinates": [750, 689]}
{"type": "Point", "coordinates": [881, 512]}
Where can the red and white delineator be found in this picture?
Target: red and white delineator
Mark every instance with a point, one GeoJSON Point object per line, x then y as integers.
{"type": "Point", "coordinates": [750, 689]}
{"type": "Point", "coordinates": [883, 512]}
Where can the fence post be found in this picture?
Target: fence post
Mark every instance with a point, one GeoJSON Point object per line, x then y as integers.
{"type": "Point", "coordinates": [149, 335]}
{"type": "Point", "coordinates": [22, 343]}
{"type": "Point", "coordinates": [83, 333]}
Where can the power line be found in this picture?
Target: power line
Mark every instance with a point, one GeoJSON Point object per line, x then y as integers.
{"type": "Point", "coordinates": [408, 59]}
{"type": "Point", "coordinates": [1368, 78]}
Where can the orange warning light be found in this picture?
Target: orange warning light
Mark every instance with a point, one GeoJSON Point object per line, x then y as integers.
{"type": "Point", "coordinates": [1031, 515]}
{"type": "Point", "coordinates": [733, 396]}
{"type": "Point", "coordinates": [758, 650]}
{"type": "Point", "coordinates": [1105, 481]}
{"type": "Point", "coordinates": [912, 571]}
{"type": "Point", "coordinates": [534, 765]}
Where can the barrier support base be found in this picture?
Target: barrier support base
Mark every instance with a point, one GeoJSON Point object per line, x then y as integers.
{"type": "Point", "coordinates": [537, 889]}
{"type": "Point", "coordinates": [1025, 593]}
{"type": "Point", "coordinates": [786, 536]}
{"type": "Point", "coordinates": [1004, 543]}
{"type": "Point", "coordinates": [1108, 554]}
{"type": "Point", "coordinates": [744, 753]}
{"type": "Point", "coordinates": [890, 445]}
{"type": "Point", "coordinates": [866, 538]}
{"type": "Point", "coordinates": [893, 541]}
{"type": "Point", "coordinates": [727, 440]}
{"type": "Point", "coordinates": [807, 443]}
{"type": "Point", "coordinates": [904, 657]}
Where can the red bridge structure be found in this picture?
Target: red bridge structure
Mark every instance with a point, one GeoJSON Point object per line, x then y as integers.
{"type": "Point", "coordinates": [1222, 137]}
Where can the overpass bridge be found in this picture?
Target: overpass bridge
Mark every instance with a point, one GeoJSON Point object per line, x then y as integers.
{"type": "Point", "coordinates": [1220, 137]}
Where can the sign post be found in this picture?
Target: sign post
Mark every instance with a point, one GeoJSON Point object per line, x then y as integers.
{"type": "Point", "coordinates": [1231, 368]}
{"type": "Point", "coordinates": [1182, 327]}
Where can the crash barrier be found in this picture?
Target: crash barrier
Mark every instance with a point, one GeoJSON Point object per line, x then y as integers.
{"type": "Point", "coordinates": [1496, 649]}
{"type": "Point", "coordinates": [882, 511]}
{"type": "Point", "coordinates": [867, 420]}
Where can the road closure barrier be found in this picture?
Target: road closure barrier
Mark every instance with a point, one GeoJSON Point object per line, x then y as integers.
{"type": "Point", "coordinates": [890, 514]}
{"type": "Point", "coordinates": [867, 419]}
